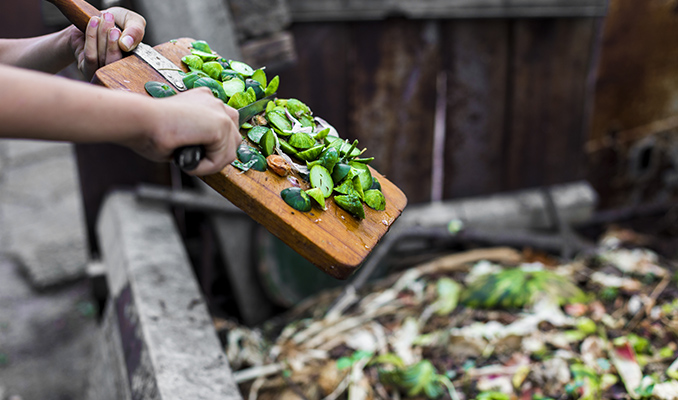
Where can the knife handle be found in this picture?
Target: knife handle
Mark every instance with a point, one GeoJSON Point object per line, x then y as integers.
{"type": "Point", "coordinates": [188, 157]}
{"type": "Point", "coordinates": [78, 12]}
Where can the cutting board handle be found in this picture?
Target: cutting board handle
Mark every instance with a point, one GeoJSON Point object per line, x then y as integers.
{"type": "Point", "coordinates": [78, 12]}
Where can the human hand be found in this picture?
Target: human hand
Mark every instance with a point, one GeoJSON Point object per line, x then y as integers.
{"type": "Point", "coordinates": [194, 117]}
{"type": "Point", "coordinates": [103, 42]}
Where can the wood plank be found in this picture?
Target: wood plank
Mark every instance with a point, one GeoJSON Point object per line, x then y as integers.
{"type": "Point", "coordinates": [320, 74]}
{"type": "Point", "coordinates": [392, 86]}
{"type": "Point", "coordinates": [355, 10]}
{"type": "Point", "coordinates": [476, 62]}
{"type": "Point", "coordinates": [331, 239]}
{"type": "Point", "coordinates": [546, 131]}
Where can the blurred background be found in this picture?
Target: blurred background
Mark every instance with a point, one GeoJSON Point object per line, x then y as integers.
{"type": "Point", "coordinates": [453, 99]}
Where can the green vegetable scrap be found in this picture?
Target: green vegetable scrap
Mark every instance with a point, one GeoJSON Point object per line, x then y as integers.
{"type": "Point", "coordinates": [287, 127]}
{"type": "Point", "coordinates": [516, 288]}
{"type": "Point", "coordinates": [159, 89]}
{"type": "Point", "coordinates": [234, 78]}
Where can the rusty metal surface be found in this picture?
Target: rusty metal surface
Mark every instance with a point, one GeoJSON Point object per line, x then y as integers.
{"type": "Point", "coordinates": [637, 78]}
{"type": "Point", "coordinates": [636, 93]}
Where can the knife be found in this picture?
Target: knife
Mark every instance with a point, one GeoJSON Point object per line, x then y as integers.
{"type": "Point", "coordinates": [188, 157]}
{"type": "Point", "coordinates": [79, 13]}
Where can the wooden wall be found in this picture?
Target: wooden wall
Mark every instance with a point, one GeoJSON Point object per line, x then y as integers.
{"type": "Point", "coordinates": [516, 97]}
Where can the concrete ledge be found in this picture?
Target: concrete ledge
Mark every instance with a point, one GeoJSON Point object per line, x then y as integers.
{"type": "Point", "coordinates": [169, 347]}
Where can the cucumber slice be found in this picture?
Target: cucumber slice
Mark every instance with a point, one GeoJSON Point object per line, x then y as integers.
{"type": "Point", "coordinates": [233, 86]}
{"type": "Point", "coordinates": [241, 67]}
{"type": "Point", "coordinates": [296, 198]}
{"type": "Point", "coordinates": [321, 178]}
{"type": "Point", "coordinates": [317, 195]}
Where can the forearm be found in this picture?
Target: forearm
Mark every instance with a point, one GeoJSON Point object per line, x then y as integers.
{"type": "Point", "coordinates": [49, 53]}
{"type": "Point", "coordinates": [38, 106]}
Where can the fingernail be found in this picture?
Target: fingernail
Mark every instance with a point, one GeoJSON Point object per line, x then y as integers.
{"type": "Point", "coordinates": [93, 22]}
{"type": "Point", "coordinates": [109, 17]}
{"type": "Point", "coordinates": [128, 41]}
{"type": "Point", "coordinates": [114, 35]}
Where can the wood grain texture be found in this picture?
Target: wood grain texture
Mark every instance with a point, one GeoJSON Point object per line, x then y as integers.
{"type": "Point", "coordinates": [331, 239]}
{"type": "Point", "coordinates": [476, 64]}
{"type": "Point", "coordinates": [550, 66]}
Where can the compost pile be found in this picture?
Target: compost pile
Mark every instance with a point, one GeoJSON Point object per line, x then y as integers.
{"type": "Point", "coordinates": [491, 323]}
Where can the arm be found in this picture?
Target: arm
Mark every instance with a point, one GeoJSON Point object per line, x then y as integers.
{"type": "Point", "coordinates": [101, 44]}
{"type": "Point", "coordinates": [40, 106]}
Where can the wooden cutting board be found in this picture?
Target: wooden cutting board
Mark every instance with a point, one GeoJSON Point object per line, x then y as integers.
{"type": "Point", "coordinates": [331, 239]}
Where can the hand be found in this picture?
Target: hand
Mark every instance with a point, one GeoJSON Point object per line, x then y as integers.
{"type": "Point", "coordinates": [103, 43]}
{"type": "Point", "coordinates": [194, 117]}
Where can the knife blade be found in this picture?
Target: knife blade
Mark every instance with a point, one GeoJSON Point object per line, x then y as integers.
{"type": "Point", "coordinates": [188, 157]}
{"type": "Point", "coordinates": [79, 13]}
